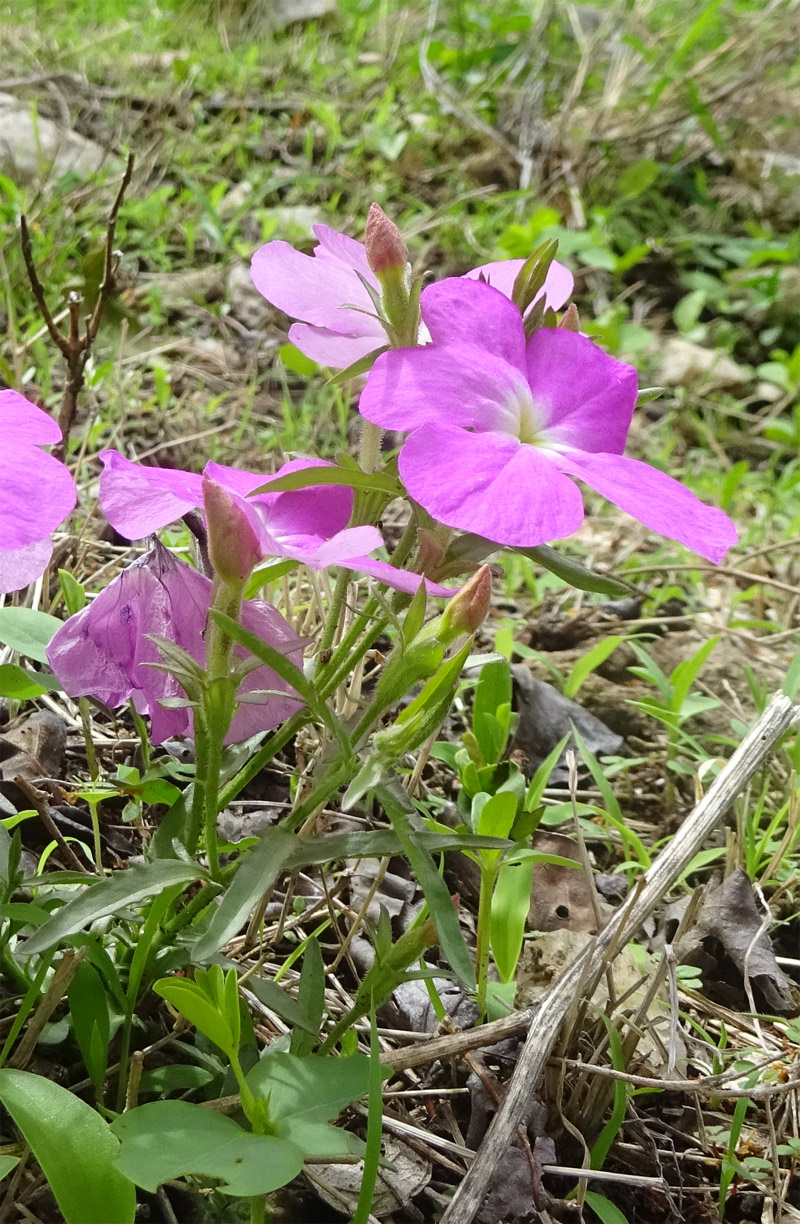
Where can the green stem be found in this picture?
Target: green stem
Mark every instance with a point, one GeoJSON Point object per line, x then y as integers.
{"type": "Point", "coordinates": [488, 880]}
{"type": "Point", "coordinates": [369, 455]}
{"type": "Point", "coordinates": [258, 1209]}
{"type": "Point", "coordinates": [335, 609]}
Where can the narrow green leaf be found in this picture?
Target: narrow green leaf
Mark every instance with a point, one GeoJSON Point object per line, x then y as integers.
{"type": "Point", "coordinates": [308, 478]}
{"type": "Point", "coordinates": [73, 1145]}
{"type": "Point", "coordinates": [259, 870]}
{"type": "Point", "coordinates": [403, 816]}
{"type": "Point", "coordinates": [124, 889]}
{"type": "Point", "coordinates": [91, 1023]}
{"type": "Point", "coordinates": [288, 672]}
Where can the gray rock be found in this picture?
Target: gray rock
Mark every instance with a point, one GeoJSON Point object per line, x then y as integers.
{"type": "Point", "coordinates": [684, 364]}
{"type": "Point", "coordinates": [34, 148]}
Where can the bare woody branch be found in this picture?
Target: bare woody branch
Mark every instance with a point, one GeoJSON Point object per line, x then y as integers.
{"type": "Point", "coordinates": [76, 346]}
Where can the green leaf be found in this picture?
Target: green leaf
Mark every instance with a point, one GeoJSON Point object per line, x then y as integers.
{"type": "Point", "coordinates": [637, 178]}
{"type": "Point", "coordinates": [123, 889]}
{"type": "Point", "coordinates": [308, 478]}
{"type": "Point", "coordinates": [492, 696]}
{"type": "Point", "coordinates": [296, 361]}
{"type": "Point", "coordinates": [22, 685]}
{"type": "Point", "coordinates": [176, 1077]}
{"type": "Point", "coordinates": [403, 816]}
{"type": "Point", "coordinates": [606, 1211]}
{"type": "Point", "coordinates": [310, 999]}
{"type": "Point", "coordinates": [260, 868]}
{"type": "Point", "coordinates": [511, 903]}
{"type": "Point", "coordinates": [91, 1024]}
{"type": "Point", "coordinates": [590, 662]}
{"type": "Point", "coordinates": [73, 1145]}
{"type": "Point", "coordinates": [303, 1094]}
{"type": "Point", "coordinates": [577, 575]}
{"type": "Point", "coordinates": [168, 1139]}
{"type": "Point", "coordinates": [288, 672]}
{"type": "Point", "coordinates": [28, 631]}
{"type": "Point", "coordinates": [203, 1005]}
{"type": "Point", "coordinates": [7, 1165]}
{"type": "Point", "coordinates": [284, 1005]}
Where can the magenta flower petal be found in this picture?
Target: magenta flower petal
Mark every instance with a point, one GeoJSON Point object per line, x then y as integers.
{"type": "Point", "coordinates": [105, 650]}
{"type": "Point", "coordinates": [655, 499]}
{"type": "Point", "coordinates": [23, 424]}
{"type": "Point", "coordinates": [20, 566]}
{"type": "Point", "coordinates": [490, 484]}
{"type": "Point", "coordinates": [314, 290]}
{"type": "Point", "coordinates": [456, 384]}
{"type": "Point", "coordinates": [346, 250]}
{"type": "Point", "coordinates": [341, 549]}
{"type": "Point", "coordinates": [139, 500]}
{"type": "Point", "coordinates": [330, 348]}
{"type": "Point", "coordinates": [400, 580]}
{"type": "Point", "coordinates": [37, 493]}
{"type": "Point", "coordinates": [461, 311]}
{"type": "Point", "coordinates": [585, 397]}
{"type": "Point", "coordinates": [501, 275]}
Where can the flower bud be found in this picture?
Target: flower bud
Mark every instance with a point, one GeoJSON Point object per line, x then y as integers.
{"type": "Point", "coordinates": [386, 250]}
{"type": "Point", "coordinates": [467, 610]}
{"type": "Point", "coordinates": [233, 541]}
{"type": "Point", "coordinates": [570, 320]}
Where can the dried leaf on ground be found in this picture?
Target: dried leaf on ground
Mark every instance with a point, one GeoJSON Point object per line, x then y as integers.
{"type": "Point", "coordinates": [563, 898]}
{"type": "Point", "coordinates": [545, 716]}
{"type": "Point", "coordinates": [728, 941]}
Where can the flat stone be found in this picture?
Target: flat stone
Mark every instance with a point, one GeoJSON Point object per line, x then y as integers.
{"type": "Point", "coordinates": [684, 364]}
{"type": "Point", "coordinates": [34, 148]}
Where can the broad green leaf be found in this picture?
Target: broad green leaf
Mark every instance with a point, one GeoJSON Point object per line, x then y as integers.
{"type": "Point", "coordinates": [28, 631]}
{"type": "Point", "coordinates": [283, 1004]}
{"type": "Point", "coordinates": [259, 870]}
{"type": "Point", "coordinates": [177, 1077]}
{"type": "Point", "coordinates": [168, 1139]}
{"type": "Point", "coordinates": [120, 891]}
{"type": "Point", "coordinates": [638, 177]}
{"type": "Point", "coordinates": [73, 1145]}
{"type": "Point", "coordinates": [496, 819]}
{"type": "Point", "coordinates": [22, 685]}
{"type": "Point", "coordinates": [304, 1094]}
{"type": "Point", "coordinates": [492, 697]}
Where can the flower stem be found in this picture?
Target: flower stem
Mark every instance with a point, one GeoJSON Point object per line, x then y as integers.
{"type": "Point", "coordinates": [369, 455]}
{"type": "Point", "coordinates": [335, 609]}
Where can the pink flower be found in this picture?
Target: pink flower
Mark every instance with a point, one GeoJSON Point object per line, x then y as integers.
{"type": "Point", "coordinates": [500, 424]}
{"type": "Point", "coordinates": [307, 525]}
{"type": "Point", "coordinates": [319, 289]}
{"type": "Point", "coordinates": [104, 651]}
{"type": "Point", "coordinates": [36, 491]}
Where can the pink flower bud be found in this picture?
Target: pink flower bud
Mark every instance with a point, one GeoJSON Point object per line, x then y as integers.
{"type": "Point", "coordinates": [570, 320]}
{"type": "Point", "coordinates": [386, 250]}
{"type": "Point", "coordinates": [233, 538]}
{"type": "Point", "coordinates": [467, 610]}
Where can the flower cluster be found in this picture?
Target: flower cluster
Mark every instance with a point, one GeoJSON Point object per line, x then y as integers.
{"type": "Point", "coordinates": [502, 409]}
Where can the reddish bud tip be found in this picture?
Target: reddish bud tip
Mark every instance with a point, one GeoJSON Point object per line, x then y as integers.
{"type": "Point", "coordinates": [386, 250]}
{"type": "Point", "coordinates": [467, 610]}
{"type": "Point", "coordinates": [570, 320]}
{"type": "Point", "coordinates": [233, 541]}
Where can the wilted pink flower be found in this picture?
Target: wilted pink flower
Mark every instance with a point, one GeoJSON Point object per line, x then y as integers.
{"type": "Point", "coordinates": [319, 289]}
{"type": "Point", "coordinates": [308, 525]}
{"type": "Point", "coordinates": [500, 424]}
{"type": "Point", "coordinates": [104, 651]}
{"type": "Point", "coordinates": [36, 491]}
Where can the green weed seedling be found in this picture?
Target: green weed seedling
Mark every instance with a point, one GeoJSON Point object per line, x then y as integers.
{"type": "Point", "coordinates": [287, 1101]}
{"type": "Point", "coordinates": [494, 801]}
